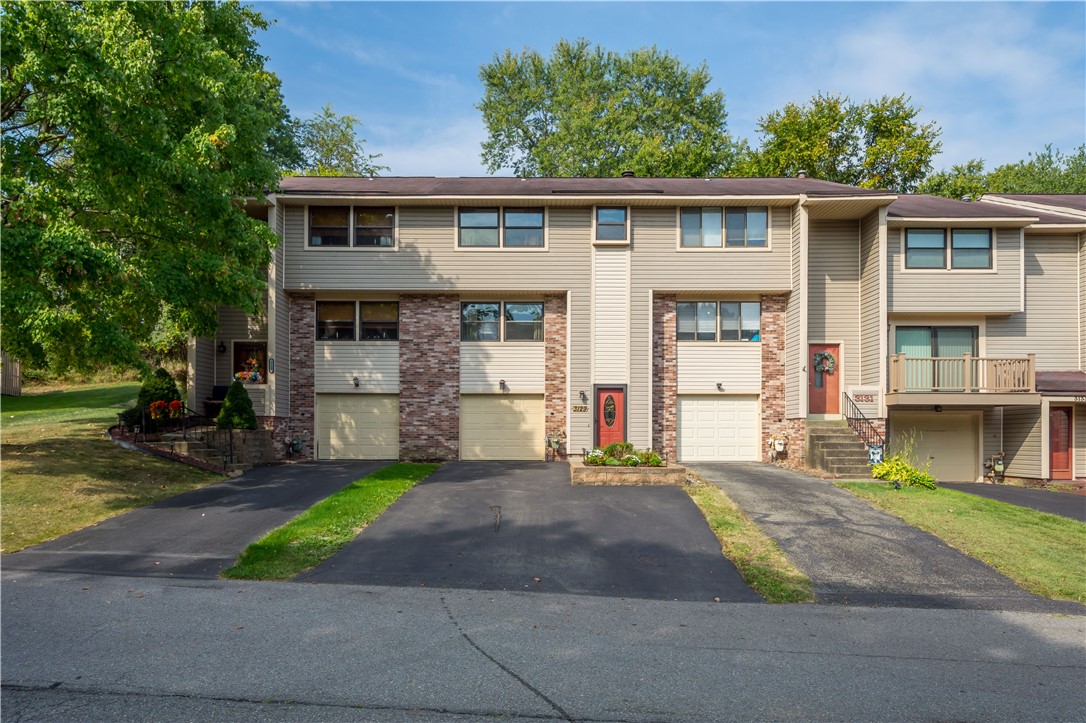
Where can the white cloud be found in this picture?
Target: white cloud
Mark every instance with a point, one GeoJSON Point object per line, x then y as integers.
{"type": "Point", "coordinates": [430, 147]}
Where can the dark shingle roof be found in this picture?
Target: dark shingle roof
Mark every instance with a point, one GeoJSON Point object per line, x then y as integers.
{"type": "Point", "coordinates": [1071, 383]}
{"type": "Point", "coordinates": [923, 206]}
{"type": "Point", "coordinates": [497, 186]}
{"type": "Point", "coordinates": [1076, 201]}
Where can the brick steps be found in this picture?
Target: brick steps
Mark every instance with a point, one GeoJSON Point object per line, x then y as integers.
{"type": "Point", "coordinates": [833, 447]}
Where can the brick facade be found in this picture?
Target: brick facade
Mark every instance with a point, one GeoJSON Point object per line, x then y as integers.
{"type": "Point", "coordinates": [556, 386]}
{"type": "Point", "coordinates": [429, 377]}
{"type": "Point", "coordinates": [664, 376]}
{"type": "Point", "coordinates": [303, 311]}
{"type": "Point", "coordinates": [774, 418]}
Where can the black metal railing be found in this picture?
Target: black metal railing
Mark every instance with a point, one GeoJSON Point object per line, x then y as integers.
{"type": "Point", "coordinates": [861, 424]}
{"type": "Point", "coordinates": [184, 420]}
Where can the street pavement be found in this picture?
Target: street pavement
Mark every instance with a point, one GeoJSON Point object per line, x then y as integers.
{"type": "Point", "coordinates": [1064, 504]}
{"type": "Point", "coordinates": [88, 647]}
{"type": "Point", "coordinates": [523, 526]}
{"type": "Point", "coordinates": [858, 555]}
{"type": "Point", "coordinates": [197, 533]}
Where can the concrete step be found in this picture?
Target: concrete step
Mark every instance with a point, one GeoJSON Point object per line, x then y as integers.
{"type": "Point", "coordinates": [843, 444]}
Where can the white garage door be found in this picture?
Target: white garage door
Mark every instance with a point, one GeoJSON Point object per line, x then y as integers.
{"type": "Point", "coordinates": [358, 426]}
{"type": "Point", "coordinates": [505, 426]}
{"type": "Point", "coordinates": [718, 429]}
{"type": "Point", "coordinates": [948, 439]}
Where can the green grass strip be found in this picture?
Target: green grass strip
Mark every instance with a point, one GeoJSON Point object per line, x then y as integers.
{"type": "Point", "coordinates": [319, 532]}
{"type": "Point", "coordinates": [761, 563]}
{"type": "Point", "coordinates": [1043, 553]}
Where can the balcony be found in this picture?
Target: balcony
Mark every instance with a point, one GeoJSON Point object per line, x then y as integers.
{"type": "Point", "coordinates": [962, 381]}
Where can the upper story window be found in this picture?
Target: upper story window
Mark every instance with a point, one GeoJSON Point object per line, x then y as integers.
{"type": "Point", "coordinates": [718, 321]}
{"type": "Point", "coordinates": [519, 227]}
{"type": "Point", "coordinates": [374, 320]}
{"type": "Point", "coordinates": [936, 341]}
{"type": "Point", "coordinates": [611, 223]}
{"type": "Point", "coordinates": [501, 321]}
{"type": "Point", "coordinates": [359, 226]}
{"type": "Point", "coordinates": [746, 227]}
{"type": "Point", "coordinates": [701, 228]}
{"type": "Point", "coordinates": [970, 248]}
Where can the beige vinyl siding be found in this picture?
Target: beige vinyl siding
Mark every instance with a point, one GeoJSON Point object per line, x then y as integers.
{"type": "Point", "coordinates": [736, 366]}
{"type": "Point", "coordinates": [991, 432]}
{"type": "Point", "coordinates": [428, 258]}
{"type": "Point", "coordinates": [201, 373]}
{"type": "Point", "coordinates": [483, 365]}
{"type": "Point", "coordinates": [571, 227]}
{"type": "Point", "coordinates": [611, 315]}
{"type": "Point", "coordinates": [235, 325]}
{"type": "Point", "coordinates": [376, 364]}
{"type": "Point", "coordinates": [833, 286]}
{"type": "Point", "coordinates": [1022, 441]}
{"type": "Point", "coordinates": [1079, 420]}
{"type": "Point", "coordinates": [794, 348]}
{"type": "Point", "coordinates": [914, 291]}
{"type": "Point", "coordinates": [1047, 327]}
{"type": "Point", "coordinates": [871, 322]}
{"type": "Point", "coordinates": [279, 350]}
{"type": "Point", "coordinates": [1082, 301]}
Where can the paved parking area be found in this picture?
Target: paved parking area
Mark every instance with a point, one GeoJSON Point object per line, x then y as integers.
{"type": "Point", "coordinates": [1064, 504]}
{"type": "Point", "coordinates": [522, 526]}
{"type": "Point", "coordinates": [858, 555]}
{"type": "Point", "coordinates": [195, 534]}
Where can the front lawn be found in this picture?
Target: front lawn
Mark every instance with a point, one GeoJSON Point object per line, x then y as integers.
{"type": "Point", "coordinates": [322, 530]}
{"type": "Point", "coordinates": [1042, 553]}
{"type": "Point", "coordinates": [61, 474]}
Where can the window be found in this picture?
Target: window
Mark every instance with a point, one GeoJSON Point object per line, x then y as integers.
{"type": "Point", "coordinates": [478, 227]}
{"type": "Point", "coordinates": [936, 341]}
{"type": "Point", "coordinates": [335, 320]}
{"type": "Point", "coordinates": [746, 227]}
{"type": "Point", "coordinates": [501, 321]}
{"type": "Point", "coordinates": [718, 321]}
{"type": "Point", "coordinates": [372, 226]}
{"type": "Point", "coordinates": [329, 226]}
{"type": "Point", "coordinates": [251, 361]}
{"type": "Point", "coordinates": [523, 227]}
{"type": "Point", "coordinates": [700, 228]}
{"type": "Point", "coordinates": [971, 248]}
{"type": "Point", "coordinates": [610, 224]}
{"type": "Point", "coordinates": [375, 226]}
{"type": "Point", "coordinates": [925, 248]}
{"type": "Point", "coordinates": [377, 320]}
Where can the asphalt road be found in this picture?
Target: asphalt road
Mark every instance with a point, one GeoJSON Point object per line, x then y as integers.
{"type": "Point", "coordinates": [109, 648]}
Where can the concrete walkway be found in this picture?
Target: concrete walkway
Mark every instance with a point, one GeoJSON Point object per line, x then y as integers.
{"type": "Point", "coordinates": [857, 555]}
{"type": "Point", "coordinates": [523, 526]}
{"type": "Point", "coordinates": [195, 534]}
{"type": "Point", "coordinates": [1063, 504]}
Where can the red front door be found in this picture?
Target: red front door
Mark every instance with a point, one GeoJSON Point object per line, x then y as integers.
{"type": "Point", "coordinates": [824, 385]}
{"type": "Point", "coordinates": [610, 415]}
{"type": "Point", "coordinates": [1059, 435]}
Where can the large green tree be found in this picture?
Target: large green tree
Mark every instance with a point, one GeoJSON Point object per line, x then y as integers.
{"type": "Point", "coordinates": [132, 132]}
{"type": "Point", "coordinates": [1049, 171]}
{"type": "Point", "coordinates": [331, 147]}
{"type": "Point", "coordinates": [873, 144]}
{"type": "Point", "coordinates": [586, 111]}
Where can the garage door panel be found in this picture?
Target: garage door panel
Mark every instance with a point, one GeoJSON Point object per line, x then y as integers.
{"type": "Point", "coordinates": [949, 440]}
{"type": "Point", "coordinates": [718, 428]}
{"type": "Point", "coordinates": [358, 426]}
{"type": "Point", "coordinates": [501, 427]}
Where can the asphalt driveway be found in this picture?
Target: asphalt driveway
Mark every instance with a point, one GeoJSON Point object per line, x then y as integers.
{"type": "Point", "coordinates": [855, 554]}
{"type": "Point", "coordinates": [1064, 504]}
{"type": "Point", "coordinates": [522, 526]}
{"type": "Point", "coordinates": [195, 534]}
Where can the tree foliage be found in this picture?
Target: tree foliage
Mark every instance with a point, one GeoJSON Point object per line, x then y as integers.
{"type": "Point", "coordinates": [1049, 171]}
{"type": "Point", "coordinates": [873, 144]}
{"type": "Point", "coordinates": [331, 147]}
{"type": "Point", "coordinates": [586, 111]}
{"type": "Point", "coordinates": [131, 133]}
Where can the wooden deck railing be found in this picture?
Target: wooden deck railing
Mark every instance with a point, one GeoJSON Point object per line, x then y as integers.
{"type": "Point", "coordinates": [966, 373]}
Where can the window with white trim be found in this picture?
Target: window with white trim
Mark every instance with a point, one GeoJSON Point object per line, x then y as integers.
{"type": "Point", "coordinates": [611, 223]}
{"type": "Point", "coordinates": [746, 227]}
{"type": "Point", "coordinates": [346, 226]}
{"type": "Point", "coordinates": [718, 321]}
{"type": "Point", "coordinates": [496, 227]}
{"type": "Point", "coordinates": [926, 248]}
{"type": "Point", "coordinates": [701, 227]}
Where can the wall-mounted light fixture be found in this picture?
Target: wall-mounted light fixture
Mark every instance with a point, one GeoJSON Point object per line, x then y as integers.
{"type": "Point", "coordinates": [502, 385]}
{"type": "Point", "coordinates": [720, 386]}
{"type": "Point", "coordinates": [584, 397]}
{"type": "Point", "coordinates": [938, 407]}
{"type": "Point", "coordinates": [357, 382]}
{"type": "Point", "coordinates": [222, 347]}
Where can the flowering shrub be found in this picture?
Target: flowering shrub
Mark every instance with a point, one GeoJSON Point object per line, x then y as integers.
{"type": "Point", "coordinates": [162, 409]}
{"type": "Point", "coordinates": [623, 454]}
{"type": "Point", "coordinates": [596, 456]}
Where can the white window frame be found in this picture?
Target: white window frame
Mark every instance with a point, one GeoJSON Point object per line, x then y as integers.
{"type": "Point", "coordinates": [350, 230]}
{"type": "Point", "coordinates": [716, 327]}
{"type": "Point", "coordinates": [611, 242]}
{"type": "Point", "coordinates": [724, 232]}
{"type": "Point", "coordinates": [501, 231]}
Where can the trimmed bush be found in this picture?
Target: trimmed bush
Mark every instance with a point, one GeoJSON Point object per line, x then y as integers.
{"type": "Point", "coordinates": [157, 387]}
{"type": "Point", "coordinates": [237, 409]}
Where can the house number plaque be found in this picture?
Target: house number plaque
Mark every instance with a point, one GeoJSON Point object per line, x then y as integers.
{"type": "Point", "coordinates": [579, 408]}
{"type": "Point", "coordinates": [609, 411]}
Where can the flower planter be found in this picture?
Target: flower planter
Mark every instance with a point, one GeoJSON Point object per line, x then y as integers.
{"type": "Point", "coordinates": [603, 475]}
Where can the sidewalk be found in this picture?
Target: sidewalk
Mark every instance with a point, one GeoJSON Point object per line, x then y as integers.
{"type": "Point", "coordinates": [857, 555]}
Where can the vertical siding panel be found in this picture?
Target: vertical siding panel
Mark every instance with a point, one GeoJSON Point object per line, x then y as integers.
{"type": "Point", "coordinates": [611, 315]}
{"type": "Point", "coordinates": [927, 291]}
{"type": "Point", "coordinates": [833, 288]}
{"type": "Point", "coordinates": [794, 351]}
{"type": "Point", "coordinates": [1051, 283]}
{"type": "Point", "coordinates": [1022, 441]}
{"type": "Point", "coordinates": [871, 322]}
{"type": "Point", "coordinates": [1079, 421]}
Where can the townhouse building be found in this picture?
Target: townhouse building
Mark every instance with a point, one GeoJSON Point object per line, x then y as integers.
{"type": "Point", "coordinates": [493, 318]}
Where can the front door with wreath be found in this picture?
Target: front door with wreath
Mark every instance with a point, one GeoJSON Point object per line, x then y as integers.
{"type": "Point", "coordinates": [824, 374]}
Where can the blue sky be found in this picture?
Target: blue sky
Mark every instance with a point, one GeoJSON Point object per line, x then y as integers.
{"type": "Point", "coordinates": [1001, 79]}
